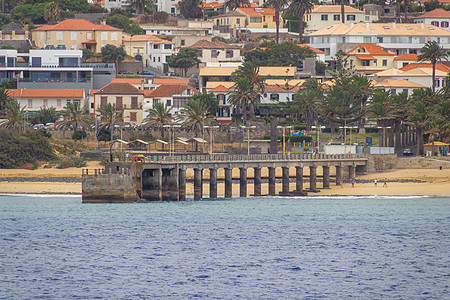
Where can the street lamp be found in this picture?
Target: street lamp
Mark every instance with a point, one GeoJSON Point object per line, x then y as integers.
{"type": "Point", "coordinates": [345, 135]}
{"type": "Point", "coordinates": [384, 134]}
{"type": "Point", "coordinates": [248, 137]}
{"type": "Point", "coordinates": [211, 137]}
{"type": "Point", "coordinates": [318, 128]}
{"type": "Point", "coordinates": [171, 137]}
{"type": "Point", "coordinates": [284, 143]}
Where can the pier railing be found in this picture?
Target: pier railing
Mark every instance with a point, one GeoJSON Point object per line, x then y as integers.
{"type": "Point", "coordinates": [251, 157]}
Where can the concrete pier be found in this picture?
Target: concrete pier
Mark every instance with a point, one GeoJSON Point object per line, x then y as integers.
{"type": "Point", "coordinates": [339, 175]}
{"type": "Point", "coordinates": [271, 181]}
{"type": "Point", "coordinates": [285, 181]}
{"type": "Point", "coordinates": [243, 182]}
{"type": "Point", "coordinates": [313, 178]}
{"type": "Point", "coordinates": [257, 181]}
{"type": "Point", "coordinates": [228, 183]}
{"type": "Point", "coordinates": [299, 179]}
{"type": "Point", "coordinates": [212, 183]}
{"type": "Point", "coordinates": [198, 182]}
{"type": "Point", "coordinates": [352, 172]}
{"type": "Point", "coordinates": [182, 184]}
{"type": "Point", "coordinates": [326, 176]}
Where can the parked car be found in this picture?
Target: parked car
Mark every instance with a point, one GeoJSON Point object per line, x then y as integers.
{"type": "Point", "coordinates": [126, 72]}
{"type": "Point", "coordinates": [38, 126]}
{"type": "Point", "coordinates": [147, 73]}
{"type": "Point", "coordinates": [172, 74]}
{"type": "Point", "coordinates": [407, 152]}
{"type": "Point", "coordinates": [194, 76]}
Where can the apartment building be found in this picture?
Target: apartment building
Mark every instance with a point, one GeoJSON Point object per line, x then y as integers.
{"type": "Point", "coordinates": [174, 96]}
{"type": "Point", "coordinates": [151, 50]}
{"type": "Point", "coordinates": [438, 17]}
{"type": "Point", "coordinates": [217, 52]}
{"type": "Point", "coordinates": [369, 58]}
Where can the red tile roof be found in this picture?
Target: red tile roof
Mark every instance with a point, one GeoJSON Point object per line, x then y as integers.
{"type": "Point", "coordinates": [220, 88]}
{"type": "Point", "coordinates": [438, 13]}
{"type": "Point", "coordinates": [439, 66]}
{"type": "Point", "coordinates": [365, 57]}
{"type": "Point", "coordinates": [371, 49]}
{"type": "Point", "coordinates": [258, 12]}
{"type": "Point", "coordinates": [211, 5]}
{"type": "Point", "coordinates": [46, 93]}
{"type": "Point", "coordinates": [410, 56]}
{"type": "Point", "coordinates": [119, 88]}
{"type": "Point", "coordinates": [311, 48]}
{"type": "Point", "coordinates": [168, 90]}
{"type": "Point", "coordinates": [440, 1]}
{"type": "Point", "coordinates": [76, 25]}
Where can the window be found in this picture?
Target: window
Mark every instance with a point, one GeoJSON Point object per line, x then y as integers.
{"type": "Point", "coordinates": [393, 92]}
{"type": "Point", "coordinates": [30, 103]}
{"type": "Point", "coordinates": [134, 102]}
{"type": "Point", "coordinates": [238, 21]}
{"type": "Point", "coordinates": [172, 10]}
{"type": "Point", "coordinates": [435, 23]}
{"type": "Point", "coordinates": [59, 36]}
{"type": "Point", "coordinates": [438, 83]}
{"type": "Point", "coordinates": [183, 42]}
{"type": "Point", "coordinates": [367, 39]}
{"type": "Point", "coordinates": [73, 36]}
{"type": "Point", "coordinates": [45, 101]}
{"type": "Point", "coordinates": [229, 54]}
{"type": "Point", "coordinates": [89, 36]}
{"type": "Point", "coordinates": [337, 17]}
{"type": "Point", "coordinates": [119, 102]}
{"type": "Point", "coordinates": [167, 57]}
{"type": "Point", "coordinates": [221, 99]}
{"type": "Point", "coordinates": [58, 103]}
{"type": "Point", "coordinates": [384, 62]}
{"type": "Point", "coordinates": [379, 39]}
{"type": "Point", "coordinates": [367, 18]}
{"type": "Point", "coordinates": [168, 102]}
{"type": "Point", "coordinates": [155, 46]}
{"type": "Point", "coordinates": [324, 17]}
{"type": "Point", "coordinates": [114, 36]}
{"type": "Point", "coordinates": [104, 36]}
{"type": "Point", "coordinates": [103, 101]}
{"type": "Point", "coordinates": [255, 20]}
{"type": "Point", "coordinates": [167, 46]}
{"type": "Point", "coordinates": [133, 117]}
{"type": "Point", "coordinates": [36, 61]}
{"type": "Point", "coordinates": [405, 91]}
{"type": "Point", "coordinates": [366, 63]}
{"type": "Point", "coordinates": [274, 97]}
{"type": "Point", "coordinates": [444, 24]}
{"type": "Point", "coordinates": [159, 59]}
{"type": "Point", "coordinates": [351, 17]}
{"type": "Point", "coordinates": [43, 36]}
{"type": "Point", "coordinates": [405, 64]}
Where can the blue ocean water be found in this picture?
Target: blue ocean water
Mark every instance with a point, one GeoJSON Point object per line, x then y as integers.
{"type": "Point", "coordinates": [54, 247]}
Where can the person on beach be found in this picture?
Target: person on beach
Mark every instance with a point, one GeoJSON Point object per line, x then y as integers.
{"type": "Point", "coordinates": [385, 182]}
{"type": "Point", "coordinates": [353, 183]}
{"type": "Point", "coordinates": [375, 182]}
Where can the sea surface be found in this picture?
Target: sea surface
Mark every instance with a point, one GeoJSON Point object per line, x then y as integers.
{"type": "Point", "coordinates": [54, 247]}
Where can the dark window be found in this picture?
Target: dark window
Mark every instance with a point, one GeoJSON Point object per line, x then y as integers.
{"type": "Point", "coordinates": [119, 103]}
{"type": "Point", "coordinates": [351, 17]}
{"type": "Point", "coordinates": [169, 102]}
{"type": "Point", "coordinates": [103, 101]}
{"type": "Point", "coordinates": [324, 17]}
{"type": "Point", "coordinates": [36, 61]}
{"type": "Point", "coordinates": [133, 117]}
{"type": "Point", "coordinates": [183, 42]}
{"type": "Point", "coordinates": [366, 63]}
{"type": "Point", "coordinates": [134, 102]}
{"type": "Point", "coordinates": [337, 17]}
{"type": "Point", "coordinates": [384, 62]}
{"type": "Point", "coordinates": [167, 46]}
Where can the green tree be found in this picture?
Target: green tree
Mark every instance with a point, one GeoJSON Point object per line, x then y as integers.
{"type": "Point", "coordinates": [110, 117]}
{"type": "Point", "coordinates": [284, 54]}
{"type": "Point", "coordinates": [159, 116]}
{"type": "Point", "coordinates": [195, 112]}
{"type": "Point", "coordinates": [434, 53]}
{"type": "Point", "coordinates": [15, 115]}
{"type": "Point", "coordinates": [186, 58]}
{"type": "Point", "coordinates": [74, 116]}
{"type": "Point", "coordinates": [244, 97]}
{"type": "Point", "coordinates": [4, 20]}
{"type": "Point", "coordinates": [4, 98]}
{"type": "Point", "coordinates": [52, 13]}
{"type": "Point", "coordinates": [111, 53]}
{"type": "Point", "coordinates": [300, 8]}
{"type": "Point", "coordinates": [233, 4]}
{"type": "Point", "coordinates": [307, 100]}
{"type": "Point", "coordinates": [211, 101]}
{"type": "Point", "coordinates": [79, 135]}
{"type": "Point", "coordinates": [87, 54]}
{"type": "Point", "coordinates": [140, 5]}
{"type": "Point", "coordinates": [124, 22]}
{"type": "Point", "coordinates": [190, 9]}
{"type": "Point", "coordinates": [44, 116]}
{"type": "Point", "coordinates": [278, 5]}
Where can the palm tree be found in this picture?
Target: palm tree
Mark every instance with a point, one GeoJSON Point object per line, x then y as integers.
{"type": "Point", "coordinates": [277, 5]}
{"type": "Point", "coordinates": [233, 4]}
{"type": "Point", "coordinates": [195, 112]}
{"type": "Point", "coordinates": [110, 117]}
{"type": "Point", "coordinates": [307, 99]}
{"type": "Point", "coordinates": [251, 72]}
{"type": "Point", "coordinates": [14, 114]}
{"type": "Point", "coordinates": [74, 116]}
{"type": "Point", "coordinates": [434, 53]}
{"type": "Point", "coordinates": [4, 98]}
{"type": "Point", "coordinates": [300, 8]}
{"type": "Point", "coordinates": [159, 116]}
{"type": "Point", "coordinates": [244, 97]}
{"type": "Point", "coordinates": [380, 109]}
{"type": "Point", "coordinates": [139, 5]}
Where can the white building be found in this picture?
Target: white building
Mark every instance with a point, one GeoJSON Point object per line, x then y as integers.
{"type": "Point", "coordinates": [396, 38]}
{"type": "Point", "coordinates": [168, 6]}
{"type": "Point", "coordinates": [397, 86]}
{"type": "Point", "coordinates": [171, 95]}
{"type": "Point", "coordinates": [438, 17]}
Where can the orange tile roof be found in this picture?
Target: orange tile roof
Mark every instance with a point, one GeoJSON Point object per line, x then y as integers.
{"type": "Point", "coordinates": [119, 88]}
{"type": "Point", "coordinates": [143, 37]}
{"type": "Point", "coordinates": [251, 12]}
{"type": "Point", "coordinates": [129, 80]}
{"type": "Point", "coordinates": [311, 48]}
{"type": "Point", "coordinates": [281, 88]}
{"type": "Point", "coordinates": [365, 57]}
{"type": "Point", "coordinates": [439, 66]}
{"type": "Point", "coordinates": [168, 90]}
{"type": "Point", "coordinates": [76, 25]}
{"type": "Point", "coordinates": [438, 13]}
{"type": "Point", "coordinates": [170, 81]}
{"type": "Point", "coordinates": [220, 88]}
{"type": "Point", "coordinates": [334, 9]}
{"type": "Point", "coordinates": [92, 91]}
{"type": "Point", "coordinates": [211, 5]}
{"type": "Point", "coordinates": [371, 49]}
{"type": "Point", "coordinates": [47, 93]}
{"type": "Point", "coordinates": [440, 1]}
{"type": "Point", "coordinates": [410, 56]}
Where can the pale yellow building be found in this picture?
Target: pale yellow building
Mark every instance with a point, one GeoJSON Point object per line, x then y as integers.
{"type": "Point", "coordinates": [368, 58]}
{"type": "Point", "coordinates": [76, 34]}
{"type": "Point", "coordinates": [322, 16]}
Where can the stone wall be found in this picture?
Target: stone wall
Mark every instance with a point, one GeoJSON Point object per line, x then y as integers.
{"type": "Point", "coordinates": [423, 163]}
{"type": "Point", "coordinates": [108, 188]}
{"type": "Point", "coordinates": [381, 162]}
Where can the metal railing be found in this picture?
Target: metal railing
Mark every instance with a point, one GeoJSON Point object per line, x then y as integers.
{"type": "Point", "coordinates": [251, 157]}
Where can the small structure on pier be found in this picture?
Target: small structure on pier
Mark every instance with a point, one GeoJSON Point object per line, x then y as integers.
{"type": "Point", "coordinates": [164, 178]}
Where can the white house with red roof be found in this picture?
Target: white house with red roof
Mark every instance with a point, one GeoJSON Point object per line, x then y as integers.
{"type": "Point", "coordinates": [369, 58]}
{"type": "Point", "coordinates": [438, 17]}
{"type": "Point", "coordinates": [152, 50]}
{"type": "Point", "coordinates": [404, 60]}
{"type": "Point", "coordinates": [225, 110]}
{"type": "Point", "coordinates": [320, 55]}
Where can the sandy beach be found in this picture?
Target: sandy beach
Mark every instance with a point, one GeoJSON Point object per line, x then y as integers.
{"type": "Point", "coordinates": [401, 182]}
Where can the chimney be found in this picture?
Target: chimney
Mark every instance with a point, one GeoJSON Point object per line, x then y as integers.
{"type": "Point", "coordinates": [103, 22]}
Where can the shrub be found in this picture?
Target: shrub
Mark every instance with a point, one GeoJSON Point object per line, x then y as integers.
{"type": "Point", "coordinates": [79, 135]}
{"type": "Point", "coordinates": [70, 162]}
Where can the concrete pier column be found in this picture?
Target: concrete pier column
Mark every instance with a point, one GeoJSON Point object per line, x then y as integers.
{"type": "Point", "coordinates": [271, 181]}
{"type": "Point", "coordinates": [285, 181]}
{"type": "Point", "coordinates": [212, 183]}
{"type": "Point", "coordinates": [391, 137]}
{"type": "Point", "coordinates": [257, 181]}
{"type": "Point", "coordinates": [338, 175]}
{"type": "Point", "coordinates": [228, 183]}
{"type": "Point", "coordinates": [326, 176]}
{"type": "Point", "coordinates": [243, 182]}
{"type": "Point", "coordinates": [299, 179]}
{"type": "Point", "coordinates": [181, 184]}
{"type": "Point", "coordinates": [313, 178]}
{"type": "Point", "coordinates": [169, 186]}
{"type": "Point", "coordinates": [198, 182]}
{"type": "Point", "coordinates": [352, 172]}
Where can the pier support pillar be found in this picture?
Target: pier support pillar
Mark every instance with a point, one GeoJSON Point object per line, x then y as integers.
{"type": "Point", "coordinates": [243, 182]}
{"type": "Point", "coordinates": [212, 183]}
{"type": "Point", "coordinates": [169, 186]}
{"type": "Point", "coordinates": [338, 175]}
{"type": "Point", "coordinates": [271, 181]}
{"type": "Point", "coordinates": [352, 172]}
{"type": "Point", "coordinates": [285, 181]}
{"type": "Point", "coordinates": [257, 181]}
{"type": "Point", "coordinates": [228, 183]}
{"type": "Point", "coordinates": [299, 179]}
{"type": "Point", "coordinates": [313, 178]}
{"type": "Point", "coordinates": [181, 184]}
{"type": "Point", "coordinates": [198, 183]}
{"type": "Point", "coordinates": [326, 176]}
{"type": "Point", "coordinates": [151, 184]}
